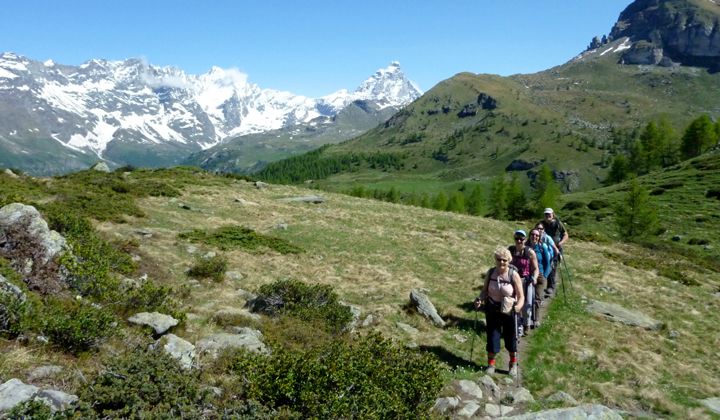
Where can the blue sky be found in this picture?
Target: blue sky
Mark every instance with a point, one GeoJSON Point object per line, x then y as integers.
{"type": "Point", "coordinates": [311, 47]}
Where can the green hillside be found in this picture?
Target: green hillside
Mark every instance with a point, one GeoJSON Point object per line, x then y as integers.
{"type": "Point", "coordinates": [574, 117]}
{"type": "Point", "coordinates": [148, 246]}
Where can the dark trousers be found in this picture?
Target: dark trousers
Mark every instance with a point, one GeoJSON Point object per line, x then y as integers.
{"type": "Point", "coordinates": [499, 325]}
{"type": "Point", "coordinates": [551, 277]}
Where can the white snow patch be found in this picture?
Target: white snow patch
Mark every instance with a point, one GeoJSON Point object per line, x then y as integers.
{"type": "Point", "coordinates": [61, 97]}
{"type": "Point", "coordinates": [23, 88]}
{"type": "Point", "coordinates": [624, 46]}
{"type": "Point", "coordinates": [49, 63]}
{"type": "Point", "coordinates": [606, 51]}
{"type": "Point", "coordinates": [6, 74]}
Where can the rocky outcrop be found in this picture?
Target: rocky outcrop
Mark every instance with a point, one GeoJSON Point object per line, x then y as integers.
{"type": "Point", "coordinates": [160, 323]}
{"type": "Point", "coordinates": [27, 241]}
{"type": "Point", "coordinates": [246, 338]}
{"type": "Point", "coordinates": [667, 31]}
{"type": "Point", "coordinates": [181, 350]}
{"type": "Point", "coordinates": [14, 392]}
{"type": "Point", "coordinates": [423, 304]}
{"type": "Point", "coordinates": [625, 316]}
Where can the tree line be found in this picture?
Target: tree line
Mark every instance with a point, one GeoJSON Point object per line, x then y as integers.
{"type": "Point", "coordinates": [658, 146]}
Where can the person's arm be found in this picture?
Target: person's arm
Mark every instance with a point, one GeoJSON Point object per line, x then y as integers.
{"type": "Point", "coordinates": [480, 300]}
{"type": "Point", "coordinates": [564, 235]}
{"type": "Point", "coordinates": [555, 249]}
{"type": "Point", "coordinates": [533, 266]}
{"type": "Point", "coordinates": [547, 260]}
{"type": "Point", "coordinates": [519, 291]}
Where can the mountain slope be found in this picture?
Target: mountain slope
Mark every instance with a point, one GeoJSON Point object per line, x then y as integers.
{"type": "Point", "coordinates": [574, 117]}
{"type": "Point", "coordinates": [132, 112]}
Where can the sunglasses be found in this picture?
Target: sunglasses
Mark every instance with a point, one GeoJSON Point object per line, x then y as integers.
{"type": "Point", "coordinates": [519, 238]}
{"type": "Point", "coordinates": [501, 260]}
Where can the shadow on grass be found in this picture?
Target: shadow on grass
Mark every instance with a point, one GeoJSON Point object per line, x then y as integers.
{"type": "Point", "coordinates": [452, 360]}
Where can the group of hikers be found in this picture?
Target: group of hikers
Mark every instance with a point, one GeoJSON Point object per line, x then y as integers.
{"type": "Point", "coordinates": [515, 289]}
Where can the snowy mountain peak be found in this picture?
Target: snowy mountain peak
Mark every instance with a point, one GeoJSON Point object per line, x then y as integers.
{"type": "Point", "coordinates": [101, 103]}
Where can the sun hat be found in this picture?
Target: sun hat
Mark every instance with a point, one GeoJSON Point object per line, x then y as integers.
{"type": "Point", "coordinates": [548, 210]}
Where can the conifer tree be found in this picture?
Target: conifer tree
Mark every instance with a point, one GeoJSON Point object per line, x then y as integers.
{"type": "Point", "coordinates": [425, 201]}
{"type": "Point", "coordinates": [516, 200]}
{"type": "Point", "coordinates": [456, 203]}
{"type": "Point", "coordinates": [547, 191]}
{"type": "Point", "coordinates": [440, 202]}
{"type": "Point", "coordinates": [475, 201]}
{"type": "Point", "coordinates": [619, 171]}
{"type": "Point", "coordinates": [699, 136]}
{"type": "Point", "coordinates": [636, 215]}
{"type": "Point", "coordinates": [498, 198]}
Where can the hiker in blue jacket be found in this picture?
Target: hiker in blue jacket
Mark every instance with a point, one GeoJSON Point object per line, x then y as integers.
{"type": "Point", "coordinates": [543, 254]}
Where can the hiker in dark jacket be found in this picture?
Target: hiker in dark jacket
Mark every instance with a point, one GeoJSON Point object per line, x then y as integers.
{"type": "Point", "coordinates": [543, 253]}
{"type": "Point", "coordinates": [501, 282]}
{"type": "Point", "coordinates": [525, 260]}
{"type": "Point", "coordinates": [556, 230]}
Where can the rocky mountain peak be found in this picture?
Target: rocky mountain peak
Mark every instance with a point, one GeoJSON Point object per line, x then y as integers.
{"type": "Point", "coordinates": [671, 32]}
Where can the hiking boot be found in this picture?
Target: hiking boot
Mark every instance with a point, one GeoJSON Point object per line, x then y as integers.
{"type": "Point", "coordinates": [537, 324]}
{"type": "Point", "coordinates": [520, 331]}
{"type": "Point", "coordinates": [513, 371]}
{"type": "Point", "coordinates": [490, 370]}
{"type": "Point", "coordinates": [549, 292]}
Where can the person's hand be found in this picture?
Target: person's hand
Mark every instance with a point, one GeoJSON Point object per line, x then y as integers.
{"type": "Point", "coordinates": [478, 303]}
{"type": "Point", "coordinates": [518, 308]}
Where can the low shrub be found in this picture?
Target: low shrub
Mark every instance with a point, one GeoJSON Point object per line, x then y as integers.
{"type": "Point", "coordinates": [239, 237]}
{"type": "Point", "coordinates": [367, 378]}
{"type": "Point", "coordinates": [698, 241]}
{"type": "Point", "coordinates": [76, 326]}
{"type": "Point", "coordinates": [31, 409]}
{"type": "Point", "coordinates": [572, 205]}
{"type": "Point", "coordinates": [307, 302]}
{"type": "Point", "coordinates": [213, 268]}
{"type": "Point", "coordinates": [657, 191]}
{"type": "Point", "coordinates": [713, 193]}
{"type": "Point", "coordinates": [598, 204]}
{"type": "Point", "coordinates": [147, 296]}
{"type": "Point", "coordinates": [144, 384]}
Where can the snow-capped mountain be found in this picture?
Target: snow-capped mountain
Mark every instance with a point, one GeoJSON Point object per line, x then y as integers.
{"type": "Point", "coordinates": [133, 112]}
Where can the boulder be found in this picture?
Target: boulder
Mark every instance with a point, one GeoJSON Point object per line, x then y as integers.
{"type": "Point", "coordinates": [56, 400]}
{"type": "Point", "coordinates": [490, 387]}
{"type": "Point", "coordinates": [468, 410]}
{"type": "Point", "coordinates": [314, 199]}
{"type": "Point", "coordinates": [407, 328]}
{"type": "Point", "coordinates": [181, 350]}
{"type": "Point", "coordinates": [44, 372]}
{"type": "Point", "coordinates": [101, 167]}
{"type": "Point", "coordinates": [497, 410]}
{"type": "Point", "coordinates": [520, 396]}
{"type": "Point", "coordinates": [160, 323]}
{"type": "Point", "coordinates": [27, 241]}
{"type": "Point", "coordinates": [595, 412]}
{"type": "Point", "coordinates": [562, 397]}
{"type": "Point", "coordinates": [467, 390]}
{"type": "Point", "coordinates": [712, 403]}
{"type": "Point", "coordinates": [260, 185]}
{"type": "Point", "coordinates": [10, 173]}
{"type": "Point", "coordinates": [425, 307]}
{"type": "Point", "coordinates": [446, 405]}
{"type": "Point", "coordinates": [246, 338]}
{"type": "Point", "coordinates": [617, 313]}
{"type": "Point", "coordinates": [14, 392]}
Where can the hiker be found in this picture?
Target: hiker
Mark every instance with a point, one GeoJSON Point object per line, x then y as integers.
{"type": "Point", "coordinates": [554, 252]}
{"type": "Point", "coordinates": [543, 254]}
{"type": "Point", "coordinates": [525, 260]}
{"type": "Point", "coordinates": [501, 298]}
{"type": "Point", "coordinates": [556, 230]}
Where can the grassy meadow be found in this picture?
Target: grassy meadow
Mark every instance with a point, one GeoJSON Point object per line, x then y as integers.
{"type": "Point", "coordinates": [373, 253]}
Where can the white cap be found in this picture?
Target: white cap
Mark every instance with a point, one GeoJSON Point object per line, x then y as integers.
{"type": "Point", "coordinates": [548, 210]}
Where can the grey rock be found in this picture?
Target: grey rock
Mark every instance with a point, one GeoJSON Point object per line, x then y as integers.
{"type": "Point", "coordinates": [490, 387]}
{"type": "Point", "coordinates": [191, 249]}
{"type": "Point", "coordinates": [446, 405]}
{"type": "Point", "coordinates": [244, 202]}
{"type": "Point", "coordinates": [51, 243]}
{"type": "Point", "coordinates": [563, 397]}
{"type": "Point", "coordinates": [407, 328]}
{"type": "Point", "coordinates": [10, 173]}
{"type": "Point", "coordinates": [260, 185]}
{"type": "Point", "coordinates": [425, 307]}
{"type": "Point", "coordinates": [247, 338]}
{"type": "Point", "coordinates": [181, 350]}
{"type": "Point", "coordinates": [467, 390]}
{"type": "Point", "coordinates": [520, 396]}
{"type": "Point", "coordinates": [356, 312]}
{"type": "Point", "coordinates": [712, 403]}
{"type": "Point", "coordinates": [368, 321]}
{"type": "Point", "coordinates": [314, 199]}
{"type": "Point", "coordinates": [459, 338]}
{"type": "Point", "coordinates": [673, 334]}
{"type": "Point", "coordinates": [14, 392]}
{"type": "Point", "coordinates": [617, 313]}
{"type": "Point", "coordinates": [56, 400]}
{"type": "Point", "coordinates": [44, 372]}
{"type": "Point", "coordinates": [496, 410]}
{"type": "Point", "coordinates": [234, 275]}
{"type": "Point", "coordinates": [468, 410]}
{"type": "Point", "coordinates": [160, 323]}
{"type": "Point", "coordinates": [591, 412]}
{"type": "Point", "coordinates": [101, 167]}
{"type": "Point", "coordinates": [584, 355]}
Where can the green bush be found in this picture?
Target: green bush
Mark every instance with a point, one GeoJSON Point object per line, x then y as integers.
{"type": "Point", "coordinates": [144, 384]}
{"type": "Point", "coordinates": [307, 302]}
{"type": "Point", "coordinates": [14, 314]}
{"type": "Point", "coordinates": [239, 237]}
{"type": "Point", "coordinates": [597, 204]}
{"type": "Point", "coordinates": [76, 326]}
{"type": "Point", "coordinates": [367, 378]}
{"type": "Point", "coordinates": [31, 409]}
{"type": "Point", "coordinates": [147, 296]}
{"type": "Point", "coordinates": [213, 267]}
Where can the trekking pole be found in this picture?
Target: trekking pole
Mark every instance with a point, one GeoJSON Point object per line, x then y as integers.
{"type": "Point", "coordinates": [562, 282]}
{"type": "Point", "coordinates": [517, 348]}
{"type": "Point", "coordinates": [567, 271]}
